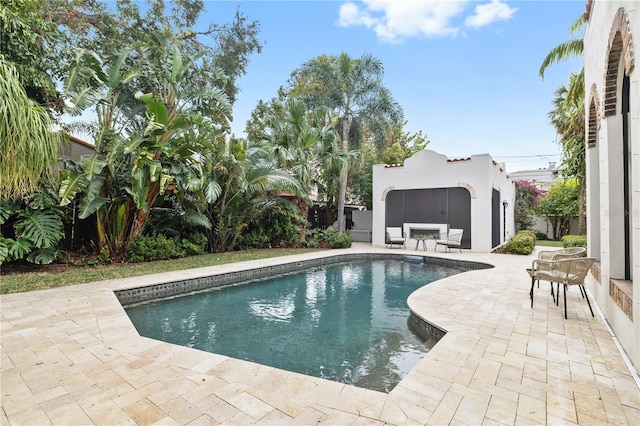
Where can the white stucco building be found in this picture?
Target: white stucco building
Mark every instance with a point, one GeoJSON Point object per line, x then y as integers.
{"type": "Point", "coordinates": [612, 102]}
{"type": "Point", "coordinates": [432, 193]}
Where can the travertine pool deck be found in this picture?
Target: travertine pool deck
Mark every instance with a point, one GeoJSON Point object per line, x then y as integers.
{"type": "Point", "coordinates": [70, 356]}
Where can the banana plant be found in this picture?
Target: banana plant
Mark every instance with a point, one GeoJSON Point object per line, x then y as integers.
{"type": "Point", "coordinates": [141, 152]}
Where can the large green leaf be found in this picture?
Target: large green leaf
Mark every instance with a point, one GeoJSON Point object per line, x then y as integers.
{"type": "Point", "coordinates": [92, 199]}
{"type": "Point", "coordinates": [90, 206]}
{"type": "Point", "coordinates": [156, 108]}
{"type": "Point", "coordinates": [155, 168]}
{"type": "Point", "coordinates": [43, 199]}
{"type": "Point", "coordinates": [139, 187]}
{"type": "Point", "coordinates": [7, 208]}
{"type": "Point", "coordinates": [19, 248]}
{"type": "Point", "coordinates": [44, 256]}
{"type": "Point", "coordinates": [196, 218]}
{"type": "Point", "coordinates": [4, 249]}
{"type": "Point", "coordinates": [176, 66]}
{"type": "Point", "coordinates": [43, 228]}
{"type": "Point", "coordinates": [133, 143]}
{"type": "Point", "coordinates": [92, 165]}
{"type": "Point", "coordinates": [212, 191]}
{"type": "Point", "coordinates": [70, 185]}
{"type": "Point", "coordinates": [114, 73]}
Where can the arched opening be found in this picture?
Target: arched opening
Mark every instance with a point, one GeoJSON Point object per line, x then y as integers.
{"type": "Point", "coordinates": [617, 95]}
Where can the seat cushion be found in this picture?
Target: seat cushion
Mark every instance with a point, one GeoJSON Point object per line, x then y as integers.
{"type": "Point", "coordinates": [395, 232]}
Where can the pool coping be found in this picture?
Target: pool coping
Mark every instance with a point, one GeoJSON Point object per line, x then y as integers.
{"type": "Point", "coordinates": [498, 361]}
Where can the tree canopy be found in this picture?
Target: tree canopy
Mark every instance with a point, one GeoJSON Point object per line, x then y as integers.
{"type": "Point", "coordinates": [353, 88]}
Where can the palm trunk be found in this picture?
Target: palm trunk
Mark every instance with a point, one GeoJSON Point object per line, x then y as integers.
{"type": "Point", "coordinates": [582, 215]}
{"type": "Point", "coordinates": [342, 194]}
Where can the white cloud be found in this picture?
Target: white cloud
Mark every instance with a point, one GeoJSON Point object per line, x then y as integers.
{"type": "Point", "coordinates": [396, 20]}
{"type": "Point", "coordinates": [488, 13]}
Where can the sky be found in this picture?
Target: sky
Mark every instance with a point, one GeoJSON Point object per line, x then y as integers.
{"type": "Point", "coordinates": [464, 72]}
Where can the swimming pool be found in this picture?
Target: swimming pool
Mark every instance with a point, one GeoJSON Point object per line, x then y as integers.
{"type": "Point", "coordinates": [346, 322]}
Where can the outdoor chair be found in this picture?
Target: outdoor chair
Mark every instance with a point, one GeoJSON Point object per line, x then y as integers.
{"type": "Point", "coordinates": [568, 272]}
{"type": "Point", "coordinates": [565, 253]}
{"type": "Point", "coordinates": [394, 235]}
{"type": "Point", "coordinates": [452, 239]}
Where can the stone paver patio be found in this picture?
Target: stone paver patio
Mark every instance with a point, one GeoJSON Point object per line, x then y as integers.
{"type": "Point", "coordinates": [70, 356]}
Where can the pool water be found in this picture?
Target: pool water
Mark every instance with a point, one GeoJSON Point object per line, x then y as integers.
{"type": "Point", "coordinates": [345, 322]}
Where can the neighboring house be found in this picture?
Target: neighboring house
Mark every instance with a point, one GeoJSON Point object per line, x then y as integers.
{"type": "Point", "coordinates": [612, 89]}
{"type": "Point", "coordinates": [74, 149]}
{"type": "Point", "coordinates": [431, 193]}
{"type": "Point", "coordinates": [543, 178]}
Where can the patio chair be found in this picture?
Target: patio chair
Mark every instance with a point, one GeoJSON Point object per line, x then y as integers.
{"type": "Point", "coordinates": [452, 239]}
{"type": "Point", "coordinates": [394, 235]}
{"type": "Point", "coordinates": [571, 271]}
{"type": "Point", "coordinates": [565, 253]}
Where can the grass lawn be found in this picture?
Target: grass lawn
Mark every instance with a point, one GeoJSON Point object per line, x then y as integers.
{"type": "Point", "coordinates": [59, 275]}
{"type": "Point", "coordinates": [549, 243]}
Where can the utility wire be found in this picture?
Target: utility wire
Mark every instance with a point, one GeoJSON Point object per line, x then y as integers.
{"type": "Point", "coordinates": [526, 156]}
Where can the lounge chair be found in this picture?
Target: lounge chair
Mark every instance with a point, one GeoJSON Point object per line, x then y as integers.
{"type": "Point", "coordinates": [394, 235]}
{"type": "Point", "coordinates": [452, 239]}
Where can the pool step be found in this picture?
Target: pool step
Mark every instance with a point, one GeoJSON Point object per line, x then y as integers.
{"type": "Point", "coordinates": [414, 259]}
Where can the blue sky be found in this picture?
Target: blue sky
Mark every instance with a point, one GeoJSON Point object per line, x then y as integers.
{"type": "Point", "coordinates": [464, 72]}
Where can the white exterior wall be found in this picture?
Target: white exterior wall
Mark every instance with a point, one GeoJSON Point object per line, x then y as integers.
{"type": "Point", "coordinates": [604, 168]}
{"type": "Point", "coordinates": [427, 170]}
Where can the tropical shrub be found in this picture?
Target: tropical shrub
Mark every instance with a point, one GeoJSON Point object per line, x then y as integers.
{"type": "Point", "coordinates": [574, 241]}
{"type": "Point", "coordinates": [527, 201]}
{"type": "Point", "coordinates": [31, 229]}
{"type": "Point", "coordinates": [540, 235]}
{"type": "Point", "coordinates": [560, 205]}
{"type": "Point", "coordinates": [328, 238]}
{"type": "Point", "coordinates": [159, 247]}
{"type": "Point", "coordinates": [277, 227]}
{"type": "Point", "coordinates": [341, 240]}
{"type": "Point", "coordinates": [522, 243]}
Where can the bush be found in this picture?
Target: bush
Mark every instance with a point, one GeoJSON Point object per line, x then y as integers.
{"type": "Point", "coordinates": [274, 228]}
{"type": "Point", "coordinates": [522, 243]}
{"type": "Point", "coordinates": [343, 240]}
{"type": "Point", "coordinates": [574, 241]}
{"type": "Point", "coordinates": [160, 247]}
{"type": "Point", "coordinates": [328, 238]}
{"type": "Point", "coordinates": [541, 235]}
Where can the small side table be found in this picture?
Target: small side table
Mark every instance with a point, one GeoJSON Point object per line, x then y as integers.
{"type": "Point", "coordinates": [424, 242]}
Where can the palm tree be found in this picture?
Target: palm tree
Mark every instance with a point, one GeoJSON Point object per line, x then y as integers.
{"type": "Point", "coordinates": [573, 48]}
{"type": "Point", "coordinates": [28, 147]}
{"type": "Point", "coordinates": [354, 88]}
{"type": "Point", "coordinates": [568, 117]}
{"type": "Point", "coordinates": [243, 176]}
{"type": "Point", "coordinates": [298, 142]}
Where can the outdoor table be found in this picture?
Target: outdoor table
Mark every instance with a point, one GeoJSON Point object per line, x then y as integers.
{"type": "Point", "coordinates": [424, 243]}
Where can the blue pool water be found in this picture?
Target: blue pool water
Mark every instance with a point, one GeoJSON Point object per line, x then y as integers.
{"type": "Point", "coordinates": [344, 322]}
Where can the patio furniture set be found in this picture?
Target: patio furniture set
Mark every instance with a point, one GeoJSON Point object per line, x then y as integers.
{"type": "Point", "coordinates": [394, 235]}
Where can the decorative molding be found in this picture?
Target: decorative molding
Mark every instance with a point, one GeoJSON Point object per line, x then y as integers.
{"type": "Point", "coordinates": [620, 47]}
{"type": "Point", "coordinates": [469, 188]}
{"type": "Point", "coordinates": [386, 191]}
{"type": "Point", "coordinates": [593, 118]}
{"type": "Point", "coordinates": [587, 10]}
